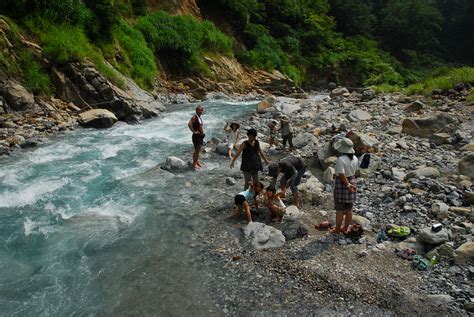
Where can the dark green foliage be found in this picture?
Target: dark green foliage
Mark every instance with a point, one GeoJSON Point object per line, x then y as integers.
{"type": "Point", "coordinates": [410, 24]}
{"type": "Point", "coordinates": [183, 40]}
{"type": "Point", "coordinates": [353, 17]}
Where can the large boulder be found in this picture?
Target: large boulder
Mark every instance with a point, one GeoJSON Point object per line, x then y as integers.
{"type": "Point", "coordinates": [325, 152]}
{"type": "Point", "coordinates": [426, 235]}
{"type": "Point", "coordinates": [466, 165]}
{"type": "Point", "coordinates": [374, 163]}
{"type": "Point", "coordinates": [262, 236]}
{"type": "Point", "coordinates": [16, 96]}
{"type": "Point", "coordinates": [427, 125]}
{"type": "Point", "coordinates": [303, 139]}
{"type": "Point", "coordinates": [265, 104]}
{"type": "Point", "coordinates": [312, 190]}
{"type": "Point", "coordinates": [363, 143]}
{"type": "Point", "coordinates": [465, 253]}
{"type": "Point", "coordinates": [222, 148]}
{"type": "Point", "coordinates": [97, 118]}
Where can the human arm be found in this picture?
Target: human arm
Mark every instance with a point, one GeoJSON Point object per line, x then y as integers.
{"type": "Point", "coordinates": [190, 125]}
{"type": "Point", "coordinates": [346, 183]}
{"type": "Point", "coordinates": [241, 148]}
{"type": "Point", "coordinates": [247, 211]}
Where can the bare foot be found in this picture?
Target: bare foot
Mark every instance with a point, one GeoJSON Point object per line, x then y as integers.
{"type": "Point", "coordinates": [199, 163]}
{"type": "Point", "coordinates": [346, 230]}
{"type": "Point", "coordinates": [196, 166]}
{"type": "Point", "coordinates": [335, 230]}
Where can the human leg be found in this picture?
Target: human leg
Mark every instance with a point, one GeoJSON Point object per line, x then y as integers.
{"type": "Point", "coordinates": [247, 211]}
{"type": "Point", "coordinates": [290, 141]}
{"type": "Point", "coordinates": [339, 218]}
{"type": "Point", "coordinates": [247, 179]}
{"type": "Point", "coordinates": [197, 150]}
{"type": "Point", "coordinates": [347, 220]}
{"type": "Point", "coordinates": [284, 140]}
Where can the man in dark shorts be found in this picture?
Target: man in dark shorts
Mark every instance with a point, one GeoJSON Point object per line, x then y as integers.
{"type": "Point", "coordinates": [293, 168]}
{"type": "Point", "coordinates": [196, 126]}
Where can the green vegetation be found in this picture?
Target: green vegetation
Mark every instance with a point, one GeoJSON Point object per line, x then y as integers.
{"type": "Point", "coordinates": [139, 60]}
{"type": "Point", "coordinates": [389, 44]}
{"type": "Point", "coordinates": [183, 41]}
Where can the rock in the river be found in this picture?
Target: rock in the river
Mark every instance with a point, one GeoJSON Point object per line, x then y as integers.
{"type": "Point", "coordinates": [262, 236]}
{"type": "Point", "coordinates": [174, 163]}
{"type": "Point", "coordinates": [97, 118]}
{"type": "Point", "coordinates": [465, 253]}
{"type": "Point", "coordinates": [466, 165]}
{"type": "Point", "coordinates": [426, 235]}
{"type": "Point", "coordinates": [265, 104]}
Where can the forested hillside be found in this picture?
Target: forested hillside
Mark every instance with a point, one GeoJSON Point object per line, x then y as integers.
{"type": "Point", "coordinates": [387, 43]}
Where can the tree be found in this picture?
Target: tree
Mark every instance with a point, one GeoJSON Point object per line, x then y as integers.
{"type": "Point", "coordinates": [353, 17]}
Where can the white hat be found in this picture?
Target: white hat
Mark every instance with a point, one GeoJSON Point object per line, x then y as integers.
{"type": "Point", "coordinates": [344, 146]}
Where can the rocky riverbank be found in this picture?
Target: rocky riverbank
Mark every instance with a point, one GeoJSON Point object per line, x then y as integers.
{"type": "Point", "coordinates": [420, 174]}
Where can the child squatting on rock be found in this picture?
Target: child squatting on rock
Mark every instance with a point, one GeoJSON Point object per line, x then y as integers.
{"type": "Point", "coordinates": [274, 203]}
{"type": "Point", "coordinates": [242, 199]}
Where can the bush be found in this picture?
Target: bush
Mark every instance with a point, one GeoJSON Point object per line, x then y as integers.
{"type": "Point", "coordinates": [35, 78]}
{"type": "Point", "coordinates": [183, 40]}
{"type": "Point", "coordinates": [140, 61]}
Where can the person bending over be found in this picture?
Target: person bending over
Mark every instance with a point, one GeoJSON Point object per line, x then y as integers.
{"type": "Point", "coordinates": [242, 200]}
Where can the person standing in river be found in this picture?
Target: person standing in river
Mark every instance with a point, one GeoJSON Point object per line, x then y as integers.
{"type": "Point", "coordinates": [344, 184]}
{"type": "Point", "coordinates": [196, 126]}
{"type": "Point", "coordinates": [251, 158]}
{"type": "Point", "coordinates": [292, 168]}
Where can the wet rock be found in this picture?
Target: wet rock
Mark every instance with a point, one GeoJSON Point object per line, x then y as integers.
{"type": "Point", "coordinates": [426, 235]}
{"type": "Point", "coordinates": [16, 96]}
{"type": "Point", "coordinates": [97, 118]}
{"type": "Point", "coordinates": [466, 165]}
{"type": "Point", "coordinates": [174, 163]}
{"type": "Point", "coordinates": [428, 172]}
{"type": "Point", "coordinates": [427, 125]}
{"type": "Point", "coordinates": [465, 253]}
{"type": "Point", "coordinates": [262, 236]}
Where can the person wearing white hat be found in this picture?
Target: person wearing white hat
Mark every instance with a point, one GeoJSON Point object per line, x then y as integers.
{"type": "Point", "coordinates": [344, 184]}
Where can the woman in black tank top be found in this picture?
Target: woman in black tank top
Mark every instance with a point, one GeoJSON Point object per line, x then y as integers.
{"type": "Point", "coordinates": [251, 158]}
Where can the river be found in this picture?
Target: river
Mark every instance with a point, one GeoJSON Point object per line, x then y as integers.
{"type": "Point", "coordinates": [89, 224]}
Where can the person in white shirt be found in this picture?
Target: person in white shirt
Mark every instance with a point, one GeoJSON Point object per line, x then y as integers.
{"type": "Point", "coordinates": [232, 138]}
{"type": "Point", "coordinates": [344, 184]}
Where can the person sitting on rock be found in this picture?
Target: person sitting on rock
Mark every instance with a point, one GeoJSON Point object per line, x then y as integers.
{"type": "Point", "coordinates": [344, 184]}
{"type": "Point", "coordinates": [242, 199]}
{"type": "Point", "coordinates": [272, 125]}
{"type": "Point", "coordinates": [293, 168]}
{"type": "Point", "coordinates": [274, 203]}
{"type": "Point", "coordinates": [232, 138]}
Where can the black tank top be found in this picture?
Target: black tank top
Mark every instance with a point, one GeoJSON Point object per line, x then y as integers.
{"type": "Point", "coordinates": [251, 161]}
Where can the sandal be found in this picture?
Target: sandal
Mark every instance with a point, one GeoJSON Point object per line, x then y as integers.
{"type": "Point", "coordinates": [323, 225]}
